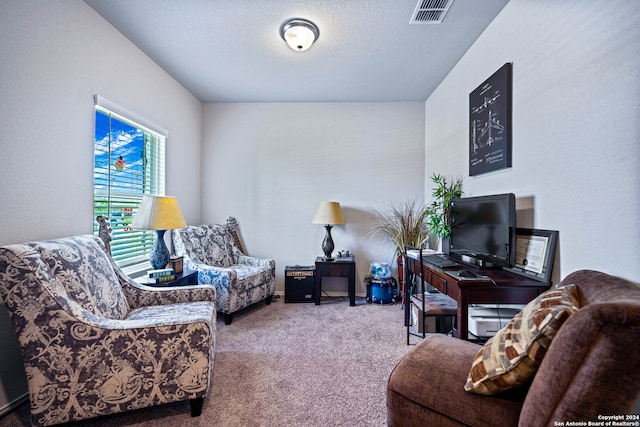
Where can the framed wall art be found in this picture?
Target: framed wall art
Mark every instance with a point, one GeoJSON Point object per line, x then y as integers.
{"type": "Point", "coordinates": [490, 123]}
{"type": "Point", "coordinates": [535, 252]}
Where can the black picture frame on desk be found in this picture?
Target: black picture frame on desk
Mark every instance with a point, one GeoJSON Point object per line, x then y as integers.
{"type": "Point", "coordinates": [535, 253]}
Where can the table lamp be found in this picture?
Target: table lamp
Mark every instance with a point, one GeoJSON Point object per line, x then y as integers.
{"type": "Point", "coordinates": [159, 213]}
{"type": "Point", "coordinates": [328, 213]}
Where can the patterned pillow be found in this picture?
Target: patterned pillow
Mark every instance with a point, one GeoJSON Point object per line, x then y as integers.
{"type": "Point", "coordinates": [512, 356]}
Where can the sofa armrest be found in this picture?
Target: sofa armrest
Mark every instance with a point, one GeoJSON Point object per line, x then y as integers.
{"type": "Point", "coordinates": [139, 295]}
{"type": "Point", "coordinates": [150, 317]}
{"type": "Point", "coordinates": [220, 276]}
{"type": "Point", "coordinates": [256, 262]}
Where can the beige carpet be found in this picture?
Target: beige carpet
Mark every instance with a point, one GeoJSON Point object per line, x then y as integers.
{"type": "Point", "coordinates": [289, 365]}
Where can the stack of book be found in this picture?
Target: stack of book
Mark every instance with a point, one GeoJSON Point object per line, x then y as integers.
{"type": "Point", "coordinates": [162, 275]}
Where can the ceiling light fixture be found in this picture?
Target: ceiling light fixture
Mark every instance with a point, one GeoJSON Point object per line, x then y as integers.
{"type": "Point", "coordinates": [299, 33]}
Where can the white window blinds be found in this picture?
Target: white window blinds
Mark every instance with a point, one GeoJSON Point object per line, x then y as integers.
{"type": "Point", "coordinates": [129, 157]}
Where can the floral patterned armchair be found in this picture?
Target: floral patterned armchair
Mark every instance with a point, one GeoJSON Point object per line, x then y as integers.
{"type": "Point", "coordinates": [214, 251]}
{"type": "Point", "coordinates": [94, 342]}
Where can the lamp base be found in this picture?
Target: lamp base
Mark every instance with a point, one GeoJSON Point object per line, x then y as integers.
{"type": "Point", "coordinates": [327, 243]}
{"type": "Point", "coordinates": [159, 256]}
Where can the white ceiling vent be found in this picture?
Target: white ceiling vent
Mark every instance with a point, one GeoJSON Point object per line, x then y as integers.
{"type": "Point", "coordinates": [430, 11]}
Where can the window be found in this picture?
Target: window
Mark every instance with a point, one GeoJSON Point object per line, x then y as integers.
{"type": "Point", "coordinates": [128, 163]}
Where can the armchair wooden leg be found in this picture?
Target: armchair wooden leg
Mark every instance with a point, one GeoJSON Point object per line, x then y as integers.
{"type": "Point", "coordinates": [268, 299]}
{"type": "Point", "coordinates": [196, 406]}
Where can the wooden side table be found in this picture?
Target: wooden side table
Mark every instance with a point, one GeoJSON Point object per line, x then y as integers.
{"type": "Point", "coordinates": [187, 277]}
{"type": "Point", "coordinates": [339, 267]}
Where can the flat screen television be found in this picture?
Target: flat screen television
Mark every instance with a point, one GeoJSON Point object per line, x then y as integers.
{"type": "Point", "coordinates": [483, 230]}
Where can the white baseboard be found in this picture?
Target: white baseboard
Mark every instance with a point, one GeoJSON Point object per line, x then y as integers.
{"type": "Point", "coordinates": [333, 294]}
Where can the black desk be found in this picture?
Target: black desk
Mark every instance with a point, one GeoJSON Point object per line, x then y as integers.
{"type": "Point", "coordinates": [506, 288]}
{"type": "Point", "coordinates": [339, 267]}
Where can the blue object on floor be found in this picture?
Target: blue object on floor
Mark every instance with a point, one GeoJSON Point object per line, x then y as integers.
{"type": "Point", "coordinates": [381, 292]}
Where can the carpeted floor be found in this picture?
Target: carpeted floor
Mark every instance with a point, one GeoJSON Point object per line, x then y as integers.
{"type": "Point", "coordinates": [289, 365]}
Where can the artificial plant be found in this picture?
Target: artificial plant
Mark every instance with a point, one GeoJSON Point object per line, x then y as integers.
{"type": "Point", "coordinates": [437, 213]}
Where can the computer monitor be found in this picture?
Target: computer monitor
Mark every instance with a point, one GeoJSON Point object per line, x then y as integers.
{"type": "Point", "coordinates": [483, 230]}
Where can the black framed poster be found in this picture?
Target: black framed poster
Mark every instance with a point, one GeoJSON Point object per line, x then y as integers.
{"type": "Point", "coordinates": [490, 123]}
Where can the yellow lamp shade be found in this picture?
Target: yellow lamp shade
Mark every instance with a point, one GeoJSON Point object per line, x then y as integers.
{"type": "Point", "coordinates": [158, 213]}
{"type": "Point", "coordinates": [328, 213]}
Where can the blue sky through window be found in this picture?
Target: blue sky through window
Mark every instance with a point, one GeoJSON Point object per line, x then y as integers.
{"type": "Point", "coordinates": [124, 165]}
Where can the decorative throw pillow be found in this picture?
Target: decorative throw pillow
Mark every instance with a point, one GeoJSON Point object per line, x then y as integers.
{"type": "Point", "coordinates": [511, 357]}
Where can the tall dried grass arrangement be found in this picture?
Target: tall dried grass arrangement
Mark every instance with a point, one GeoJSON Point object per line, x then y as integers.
{"type": "Point", "coordinates": [405, 224]}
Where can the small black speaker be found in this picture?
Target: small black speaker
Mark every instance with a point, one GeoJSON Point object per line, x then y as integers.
{"type": "Point", "coordinates": [299, 282]}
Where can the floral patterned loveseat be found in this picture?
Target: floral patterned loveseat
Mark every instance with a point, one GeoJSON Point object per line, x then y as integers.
{"type": "Point", "coordinates": [240, 280]}
{"type": "Point", "coordinates": [94, 342]}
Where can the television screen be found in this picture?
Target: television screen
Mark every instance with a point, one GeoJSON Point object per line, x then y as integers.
{"type": "Point", "coordinates": [483, 230]}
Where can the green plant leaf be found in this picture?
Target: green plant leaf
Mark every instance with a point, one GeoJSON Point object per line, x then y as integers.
{"type": "Point", "coordinates": [437, 213]}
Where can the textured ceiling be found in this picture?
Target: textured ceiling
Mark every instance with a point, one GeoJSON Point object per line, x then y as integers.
{"type": "Point", "coordinates": [231, 50]}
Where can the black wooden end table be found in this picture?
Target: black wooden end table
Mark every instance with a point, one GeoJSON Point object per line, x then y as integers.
{"type": "Point", "coordinates": [339, 267]}
{"type": "Point", "coordinates": [187, 277]}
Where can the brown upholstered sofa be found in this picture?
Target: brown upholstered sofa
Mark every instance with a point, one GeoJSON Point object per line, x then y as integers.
{"type": "Point", "coordinates": [591, 369]}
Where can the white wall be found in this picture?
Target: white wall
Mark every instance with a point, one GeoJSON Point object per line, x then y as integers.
{"type": "Point", "coordinates": [576, 125]}
{"type": "Point", "coordinates": [270, 164]}
{"type": "Point", "coordinates": [55, 56]}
